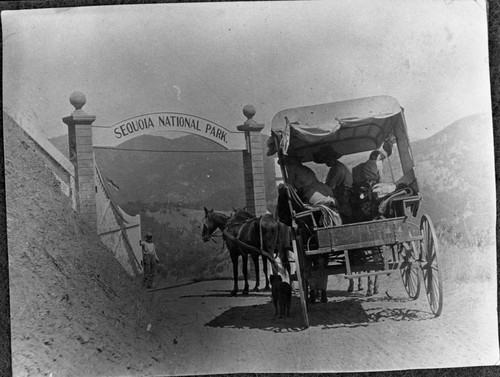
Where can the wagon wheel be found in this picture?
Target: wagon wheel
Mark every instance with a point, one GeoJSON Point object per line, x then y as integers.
{"type": "Point", "coordinates": [300, 265]}
{"type": "Point", "coordinates": [432, 277]}
{"type": "Point", "coordinates": [409, 269]}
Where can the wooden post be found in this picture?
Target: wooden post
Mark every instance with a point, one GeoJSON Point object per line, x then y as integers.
{"type": "Point", "coordinates": [253, 164]}
{"type": "Point", "coordinates": [81, 154]}
{"type": "Point", "coordinates": [405, 156]}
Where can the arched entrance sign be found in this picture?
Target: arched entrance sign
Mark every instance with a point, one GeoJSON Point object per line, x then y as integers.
{"type": "Point", "coordinates": [162, 124]}
{"type": "Point", "coordinates": [83, 137]}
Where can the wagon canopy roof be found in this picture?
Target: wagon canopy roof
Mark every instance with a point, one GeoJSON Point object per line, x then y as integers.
{"type": "Point", "coordinates": [351, 126]}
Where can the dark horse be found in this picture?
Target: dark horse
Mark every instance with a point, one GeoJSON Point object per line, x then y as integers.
{"type": "Point", "coordinates": [260, 233]}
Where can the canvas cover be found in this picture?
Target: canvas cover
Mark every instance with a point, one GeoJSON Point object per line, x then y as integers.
{"type": "Point", "coordinates": [119, 231]}
{"type": "Point", "coordinates": [351, 126]}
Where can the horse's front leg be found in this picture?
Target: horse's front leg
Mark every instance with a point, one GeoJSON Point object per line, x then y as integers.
{"type": "Point", "coordinates": [255, 258]}
{"type": "Point", "coordinates": [350, 288]}
{"type": "Point", "coordinates": [360, 284]}
{"type": "Point", "coordinates": [244, 267]}
{"type": "Point", "coordinates": [234, 259]}
{"type": "Point", "coordinates": [369, 292]}
{"type": "Point", "coordinates": [266, 275]}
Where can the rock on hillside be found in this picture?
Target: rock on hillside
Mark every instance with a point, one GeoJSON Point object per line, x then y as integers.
{"type": "Point", "coordinates": [74, 310]}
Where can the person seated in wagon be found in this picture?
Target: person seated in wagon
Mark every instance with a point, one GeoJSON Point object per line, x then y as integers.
{"type": "Point", "coordinates": [339, 179]}
{"type": "Point", "coordinates": [370, 185]}
{"type": "Point", "coordinates": [368, 173]}
{"type": "Point", "coordinates": [303, 179]}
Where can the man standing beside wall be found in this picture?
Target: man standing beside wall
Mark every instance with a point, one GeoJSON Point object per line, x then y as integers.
{"type": "Point", "coordinates": [149, 258]}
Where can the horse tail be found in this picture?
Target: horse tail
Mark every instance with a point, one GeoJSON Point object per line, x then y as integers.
{"type": "Point", "coordinates": [276, 232]}
{"type": "Point", "coordinates": [261, 235]}
{"type": "Point", "coordinates": [283, 238]}
{"type": "Point", "coordinates": [268, 233]}
{"type": "Point", "coordinates": [283, 244]}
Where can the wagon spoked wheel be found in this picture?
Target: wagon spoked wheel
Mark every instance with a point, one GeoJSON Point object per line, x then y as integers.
{"type": "Point", "coordinates": [409, 270]}
{"type": "Point", "coordinates": [432, 277]}
{"type": "Point", "coordinates": [300, 266]}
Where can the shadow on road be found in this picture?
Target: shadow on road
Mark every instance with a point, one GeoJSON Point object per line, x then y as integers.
{"type": "Point", "coordinates": [382, 296]}
{"type": "Point", "coordinates": [227, 293]}
{"type": "Point", "coordinates": [347, 313]}
{"type": "Point", "coordinates": [333, 314]}
{"type": "Point", "coordinates": [397, 314]}
{"type": "Point", "coordinates": [260, 317]}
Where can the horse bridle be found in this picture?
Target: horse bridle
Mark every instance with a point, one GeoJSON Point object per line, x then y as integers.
{"type": "Point", "coordinates": [214, 234]}
{"type": "Point", "coordinates": [221, 234]}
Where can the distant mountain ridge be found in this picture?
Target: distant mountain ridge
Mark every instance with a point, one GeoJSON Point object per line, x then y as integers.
{"type": "Point", "coordinates": [455, 172]}
{"type": "Point", "coordinates": [189, 170]}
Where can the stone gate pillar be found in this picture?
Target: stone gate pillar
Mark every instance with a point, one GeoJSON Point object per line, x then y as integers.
{"type": "Point", "coordinates": [253, 164]}
{"type": "Point", "coordinates": [81, 155]}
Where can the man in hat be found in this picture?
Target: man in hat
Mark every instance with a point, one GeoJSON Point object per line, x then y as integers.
{"type": "Point", "coordinates": [149, 258]}
{"type": "Point", "coordinates": [309, 188]}
{"type": "Point", "coordinates": [339, 179]}
{"type": "Point", "coordinates": [368, 173]}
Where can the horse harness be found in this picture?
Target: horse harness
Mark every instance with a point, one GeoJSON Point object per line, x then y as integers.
{"type": "Point", "coordinates": [244, 245]}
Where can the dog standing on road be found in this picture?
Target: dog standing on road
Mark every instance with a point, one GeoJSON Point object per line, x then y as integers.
{"type": "Point", "coordinates": [282, 295]}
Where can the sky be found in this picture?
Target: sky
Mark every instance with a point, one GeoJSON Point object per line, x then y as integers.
{"type": "Point", "coordinates": [212, 59]}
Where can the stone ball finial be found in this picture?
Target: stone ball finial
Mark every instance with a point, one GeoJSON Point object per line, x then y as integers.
{"type": "Point", "coordinates": [249, 111]}
{"type": "Point", "coordinates": [77, 99]}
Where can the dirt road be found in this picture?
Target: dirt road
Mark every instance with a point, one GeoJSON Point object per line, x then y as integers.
{"type": "Point", "coordinates": [207, 331]}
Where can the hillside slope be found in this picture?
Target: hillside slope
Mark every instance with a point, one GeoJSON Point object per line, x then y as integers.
{"type": "Point", "coordinates": [456, 174]}
{"type": "Point", "coordinates": [74, 310]}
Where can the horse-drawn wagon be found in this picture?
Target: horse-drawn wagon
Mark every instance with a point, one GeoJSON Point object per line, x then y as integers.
{"type": "Point", "coordinates": [393, 238]}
